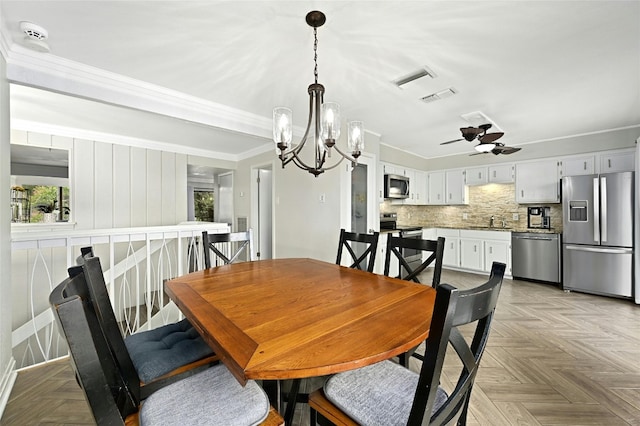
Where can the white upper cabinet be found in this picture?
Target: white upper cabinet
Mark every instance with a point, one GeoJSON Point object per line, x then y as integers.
{"type": "Point", "coordinates": [578, 165]}
{"type": "Point", "coordinates": [455, 187]}
{"type": "Point", "coordinates": [418, 187]}
{"type": "Point", "coordinates": [446, 187]}
{"type": "Point", "coordinates": [537, 182]}
{"type": "Point", "coordinates": [617, 162]}
{"type": "Point", "coordinates": [476, 176]}
{"type": "Point", "coordinates": [435, 188]}
{"type": "Point", "coordinates": [501, 173]}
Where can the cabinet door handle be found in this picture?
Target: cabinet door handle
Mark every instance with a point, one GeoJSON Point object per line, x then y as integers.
{"type": "Point", "coordinates": [609, 161]}
{"type": "Point", "coordinates": [494, 173]}
{"type": "Point", "coordinates": [585, 166]}
{"type": "Point", "coordinates": [522, 193]}
{"type": "Point", "coordinates": [490, 250]}
{"type": "Point", "coordinates": [475, 248]}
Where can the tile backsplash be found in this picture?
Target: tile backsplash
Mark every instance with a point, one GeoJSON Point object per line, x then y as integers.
{"type": "Point", "coordinates": [497, 200]}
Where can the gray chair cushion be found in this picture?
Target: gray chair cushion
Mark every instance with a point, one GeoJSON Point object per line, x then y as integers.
{"type": "Point", "coordinates": [212, 397]}
{"type": "Point", "coordinates": [161, 350]}
{"type": "Point", "coordinates": [379, 394]}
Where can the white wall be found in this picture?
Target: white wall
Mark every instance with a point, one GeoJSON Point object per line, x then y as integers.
{"type": "Point", "coordinates": [119, 186]}
{"type": "Point", "coordinates": [7, 374]}
{"type": "Point", "coordinates": [303, 225]}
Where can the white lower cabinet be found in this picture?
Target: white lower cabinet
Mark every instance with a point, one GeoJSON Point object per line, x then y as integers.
{"type": "Point", "coordinates": [497, 251]}
{"type": "Point", "coordinates": [471, 256]}
{"type": "Point", "coordinates": [475, 251]}
{"type": "Point", "coordinates": [451, 255]}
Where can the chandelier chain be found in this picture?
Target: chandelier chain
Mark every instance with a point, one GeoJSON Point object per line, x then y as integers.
{"type": "Point", "coordinates": [315, 53]}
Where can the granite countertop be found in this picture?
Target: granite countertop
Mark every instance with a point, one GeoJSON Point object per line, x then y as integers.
{"type": "Point", "coordinates": [486, 228]}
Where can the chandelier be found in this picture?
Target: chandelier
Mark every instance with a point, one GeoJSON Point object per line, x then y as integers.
{"type": "Point", "coordinates": [325, 117]}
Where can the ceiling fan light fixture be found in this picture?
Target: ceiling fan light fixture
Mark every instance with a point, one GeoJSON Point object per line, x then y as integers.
{"type": "Point", "coordinates": [485, 147]}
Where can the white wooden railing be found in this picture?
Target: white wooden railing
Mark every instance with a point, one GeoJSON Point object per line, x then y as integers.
{"type": "Point", "coordinates": [136, 263]}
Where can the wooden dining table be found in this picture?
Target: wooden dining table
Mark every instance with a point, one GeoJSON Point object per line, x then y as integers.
{"type": "Point", "coordinates": [296, 318]}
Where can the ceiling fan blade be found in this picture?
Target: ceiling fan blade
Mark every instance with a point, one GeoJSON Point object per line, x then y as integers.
{"type": "Point", "coordinates": [509, 150]}
{"type": "Point", "coordinates": [455, 140]}
{"type": "Point", "coordinates": [490, 137]}
{"type": "Point", "coordinates": [477, 153]}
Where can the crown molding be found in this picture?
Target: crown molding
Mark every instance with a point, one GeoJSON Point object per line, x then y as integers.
{"type": "Point", "coordinates": [49, 72]}
{"type": "Point", "coordinates": [75, 133]}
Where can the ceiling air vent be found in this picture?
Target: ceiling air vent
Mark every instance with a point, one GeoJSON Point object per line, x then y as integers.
{"type": "Point", "coordinates": [422, 72]}
{"type": "Point", "coordinates": [439, 95]}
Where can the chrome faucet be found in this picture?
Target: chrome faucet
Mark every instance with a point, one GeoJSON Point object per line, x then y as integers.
{"type": "Point", "coordinates": [504, 222]}
{"type": "Point", "coordinates": [491, 221]}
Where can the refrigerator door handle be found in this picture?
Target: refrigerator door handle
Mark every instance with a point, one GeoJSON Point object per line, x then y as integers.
{"type": "Point", "coordinates": [600, 250]}
{"type": "Point", "coordinates": [603, 208]}
{"type": "Point", "coordinates": [596, 211]}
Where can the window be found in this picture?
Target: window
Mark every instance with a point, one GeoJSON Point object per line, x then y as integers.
{"type": "Point", "coordinates": [39, 184]}
{"type": "Point", "coordinates": [203, 203]}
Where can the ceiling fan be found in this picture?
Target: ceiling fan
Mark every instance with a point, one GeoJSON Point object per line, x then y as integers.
{"type": "Point", "coordinates": [496, 148]}
{"type": "Point", "coordinates": [480, 132]}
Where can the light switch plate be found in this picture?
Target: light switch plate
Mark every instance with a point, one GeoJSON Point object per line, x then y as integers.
{"type": "Point", "coordinates": [516, 216]}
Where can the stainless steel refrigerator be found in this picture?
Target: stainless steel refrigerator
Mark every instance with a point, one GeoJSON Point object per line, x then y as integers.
{"type": "Point", "coordinates": [598, 222]}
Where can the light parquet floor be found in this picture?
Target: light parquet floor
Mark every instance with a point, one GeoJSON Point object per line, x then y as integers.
{"type": "Point", "coordinates": [553, 358]}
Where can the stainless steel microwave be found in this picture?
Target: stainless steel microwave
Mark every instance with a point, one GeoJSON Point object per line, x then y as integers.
{"type": "Point", "coordinates": [396, 186]}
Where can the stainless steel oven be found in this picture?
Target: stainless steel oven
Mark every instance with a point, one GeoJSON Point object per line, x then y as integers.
{"type": "Point", "coordinates": [411, 256]}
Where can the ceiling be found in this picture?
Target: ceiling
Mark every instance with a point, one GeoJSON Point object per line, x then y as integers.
{"type": "Point", "coordinates": [540, 70]}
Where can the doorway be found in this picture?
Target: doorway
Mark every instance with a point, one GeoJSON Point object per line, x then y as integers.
{"type": "Point", "coordinates": [360, 208]}
{"type": "Point", "coordinates": [223, 208]}
{"type": "Point", "coordinates": [262, 211]}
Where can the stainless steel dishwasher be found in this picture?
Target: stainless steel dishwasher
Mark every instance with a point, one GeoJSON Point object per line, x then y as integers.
{"type": "Point", "coordinates": [536, 256]}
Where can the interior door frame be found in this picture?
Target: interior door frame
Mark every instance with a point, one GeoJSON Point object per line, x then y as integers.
{"type": "Point", "coordinates": [373, 206]}
{"type": "Point", "coordinates": [255, 170]}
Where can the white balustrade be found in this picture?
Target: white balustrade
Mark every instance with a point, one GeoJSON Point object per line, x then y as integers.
{"type": "Point", "coordinates": [136, 263]}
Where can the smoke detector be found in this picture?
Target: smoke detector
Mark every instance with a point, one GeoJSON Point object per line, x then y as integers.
{"type": "Point", "coordinates": [35, 36]}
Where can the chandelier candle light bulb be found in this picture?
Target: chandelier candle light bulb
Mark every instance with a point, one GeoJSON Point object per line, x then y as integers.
{"type": "Point", "coordinates": [325, 117]}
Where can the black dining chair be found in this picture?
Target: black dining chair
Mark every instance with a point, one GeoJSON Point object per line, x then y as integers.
{"type": "Point", "coordinates": [212, 396]}
{"type": "Point", "coordinates": [389, 394]}
{"type": "Point", "coordinates": [395, 250]}
{"type": "Point", "coordinates": [156, 355]}
{"type": "Point", "coordinates": [227, 247]}
{"type": "Point", "coordinates": [353, 242]}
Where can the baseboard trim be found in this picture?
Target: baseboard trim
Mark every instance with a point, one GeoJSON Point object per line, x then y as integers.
{"type": "Point", "coordinates": [7, 380]}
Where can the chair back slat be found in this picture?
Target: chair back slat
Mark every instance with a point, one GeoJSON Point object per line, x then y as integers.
{"type": "Point", "coordinates": [108, 394]}
{"type": "Point", "coordinates": [395, 245]}
{"type": "Point", "coordinates": [99, 297]}
{"type": "Point", "coordinates": [368, 255]}
{"type": "Point", "coordinates": [235, 244]}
